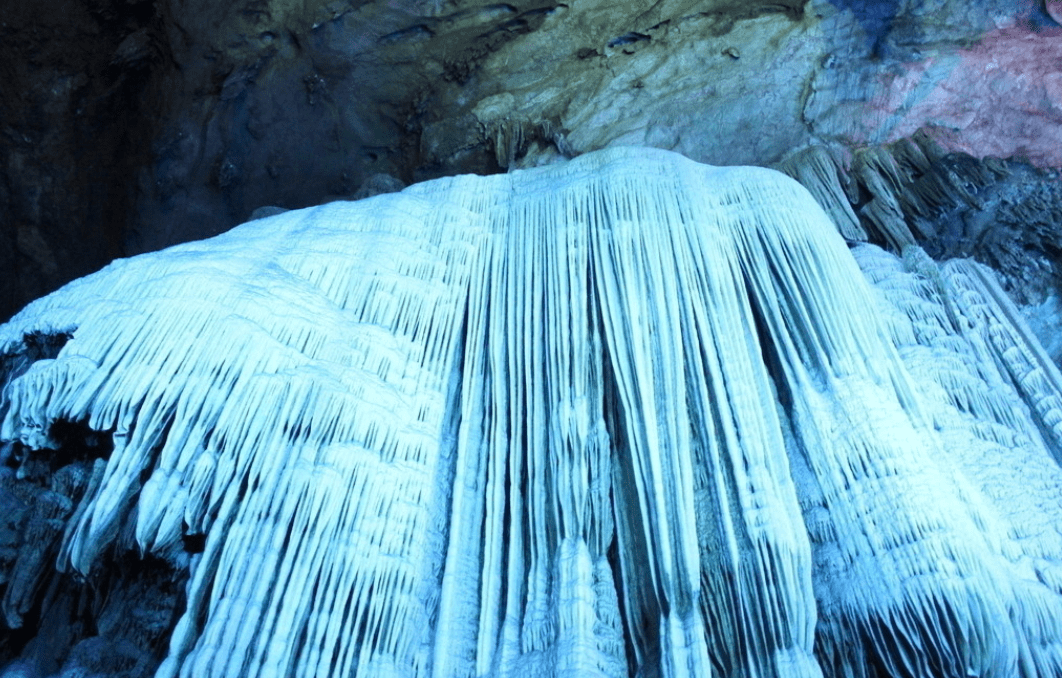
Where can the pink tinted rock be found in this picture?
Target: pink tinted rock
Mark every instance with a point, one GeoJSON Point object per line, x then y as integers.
{"type": "Point", "coordinates": [1001, 97]}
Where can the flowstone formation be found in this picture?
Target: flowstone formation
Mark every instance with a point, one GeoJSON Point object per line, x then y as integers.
{"type": "Point", "coordinates": [627, 415]}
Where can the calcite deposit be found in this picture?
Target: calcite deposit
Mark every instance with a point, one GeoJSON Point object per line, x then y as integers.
{"type": "Point", "coordinates": [624, 415]}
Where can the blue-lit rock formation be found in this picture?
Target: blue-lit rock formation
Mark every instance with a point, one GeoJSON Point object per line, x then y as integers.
{"type": "Point", "coordinates": [627, 415]}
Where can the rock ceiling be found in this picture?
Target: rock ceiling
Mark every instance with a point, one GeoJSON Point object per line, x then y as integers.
{"type": "Point", "coordinates": [142, 124]}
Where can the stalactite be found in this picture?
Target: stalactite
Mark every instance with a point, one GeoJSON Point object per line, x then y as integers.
{"type": "Point", "coordinates": [624, 415]}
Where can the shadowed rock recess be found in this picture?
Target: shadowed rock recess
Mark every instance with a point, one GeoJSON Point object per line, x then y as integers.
{"type": "Point", "coordinates": [628, 415]}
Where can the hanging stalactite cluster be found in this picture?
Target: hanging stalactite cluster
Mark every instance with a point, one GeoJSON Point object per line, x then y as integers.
{"type": "Point", "coordinates": [625, 414]}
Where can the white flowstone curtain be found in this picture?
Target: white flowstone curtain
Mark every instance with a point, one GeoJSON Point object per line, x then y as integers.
{"type": "Point", "coordinates": [626, 415]}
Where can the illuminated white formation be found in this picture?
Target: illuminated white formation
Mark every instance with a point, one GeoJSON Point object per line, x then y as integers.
{"type": "Point", "coordinates": [625, 414]}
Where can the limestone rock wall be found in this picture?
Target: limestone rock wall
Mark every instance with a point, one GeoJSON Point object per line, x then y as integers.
{"type": "Point", "coordinates": [137, 125]}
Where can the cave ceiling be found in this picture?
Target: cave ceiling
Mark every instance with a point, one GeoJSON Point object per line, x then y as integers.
{"type": "Point", "coordinates": [141, 124]}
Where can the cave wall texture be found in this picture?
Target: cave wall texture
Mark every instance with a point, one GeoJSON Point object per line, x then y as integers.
{"type": "Point", "coordinates": [131, 125]}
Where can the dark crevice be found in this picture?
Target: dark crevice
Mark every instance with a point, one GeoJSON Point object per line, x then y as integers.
{"type": "Point", "coordinates": [447, 467]}
{"type": "Point", "coordinates": [642, 631]}
{"type": "Point", "coordinates": [117, 622]}
{"type": "Point", "coordinates": [612, 555]}
{"type": "Point", "coordinates": [193, 543]}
